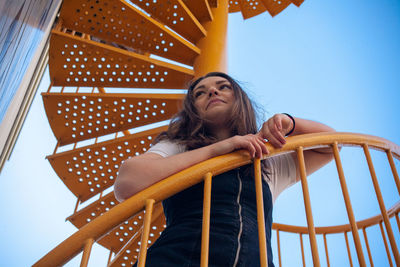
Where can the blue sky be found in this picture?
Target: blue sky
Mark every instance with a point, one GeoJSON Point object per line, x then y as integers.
{"type": "Point", "coordinates": [337, 62]}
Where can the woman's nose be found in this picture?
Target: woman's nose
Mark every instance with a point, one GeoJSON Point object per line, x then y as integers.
{"type": "Point", "coordinates": [212, 91]}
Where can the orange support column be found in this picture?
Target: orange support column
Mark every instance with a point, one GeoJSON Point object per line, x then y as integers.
{"type": "Point", "coordinates": [213, 46]}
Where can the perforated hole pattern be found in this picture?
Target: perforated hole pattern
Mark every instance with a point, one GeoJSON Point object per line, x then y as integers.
{"type": "Point", "coordinates": [85, 116]}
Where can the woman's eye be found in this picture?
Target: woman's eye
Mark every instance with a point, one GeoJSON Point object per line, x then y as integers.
{"type": "Point", "coordinates": [198, 93]}
{"type": "Point", "coordinates": [225, 86]}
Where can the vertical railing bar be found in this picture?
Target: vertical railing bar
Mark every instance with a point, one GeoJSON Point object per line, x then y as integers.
{"type": "Point", "coordinates": [348, 248]}
{"type": "Point", "coordinates": [50, 85]}
{"type": "Point", "coordinates": [78, 201]}
{"type": "Point", "coordinates": [260, 214]}
{"type": "Point", "coordinates": [394, 171]}
{"type": "Point", "coordinates": [382, 207]}
{"type": "Point", "coordinates": [326, 251]}
{"type": "Point", "coordinates": [397, 220]}
{"type": "Point", "coordinates": [367, 245]}
{"type": "Point", "coordinates": [56, 148]}
{"type": "Point", "coordinates": [86, 252]}
{"type": "Point", "coordinates": [302, 250]}
{"type": "Point", "coordinates": [279, 248]}
{"type": "Point", "coordinates": [349, 208]}
{"type": "Point", "coordinates": [109, 257]}
{"type": "Point", "coordinates": [307, 205]}
{"type": "Point", "coordinates": [146, 232]}
{"type": "Point", "coordinates": [386, 244]}
{"type": "Point", "coordinates": [205, 232]}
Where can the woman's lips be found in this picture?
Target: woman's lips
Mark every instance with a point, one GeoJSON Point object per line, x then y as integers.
{"type": "Point", "coordinates": [214, 101]}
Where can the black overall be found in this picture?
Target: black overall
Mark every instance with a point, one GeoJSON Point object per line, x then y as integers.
{"type": "Point", "coordinates": [233, 218]}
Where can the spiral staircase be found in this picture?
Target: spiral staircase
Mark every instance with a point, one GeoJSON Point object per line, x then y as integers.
{"type": "Point", "coordinates": [110, 63]}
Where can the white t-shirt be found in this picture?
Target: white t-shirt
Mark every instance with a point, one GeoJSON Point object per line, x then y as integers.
{"type": "Point", "coordinates": [281, 168]}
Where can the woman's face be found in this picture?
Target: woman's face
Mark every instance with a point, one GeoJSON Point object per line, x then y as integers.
{"type": "Point", "coordinates": [214, 98]}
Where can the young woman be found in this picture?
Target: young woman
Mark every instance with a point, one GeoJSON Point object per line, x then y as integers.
{"type": "Point", "coordinates": [218, 118]}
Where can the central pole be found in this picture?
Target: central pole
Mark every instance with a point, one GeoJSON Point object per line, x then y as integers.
{"type": "Point", "coordinates": [213, 46]}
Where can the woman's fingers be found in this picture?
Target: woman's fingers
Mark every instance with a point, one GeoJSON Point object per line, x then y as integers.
{"type": "Point", "coordinates": [278, 132]}
{"type": "Point", "coordinates": [257, 147]}
{"type": "Point", "coordinates": [253, 143]}
{"type": "Point", "coordinates": [272, 130]}
{"type": "Point", "coordinates": [278, 122]}
{"type": "Point", "coordinates": [264, 149]}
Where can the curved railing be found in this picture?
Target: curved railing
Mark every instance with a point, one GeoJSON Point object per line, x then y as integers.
{"type": "Point", "coordinates": [93, 231]}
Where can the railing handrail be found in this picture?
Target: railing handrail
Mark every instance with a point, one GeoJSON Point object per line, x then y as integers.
{"type": "Point", "coordinates": [335, 229]}
{"type": "Point", "coordinates": [97, 228]}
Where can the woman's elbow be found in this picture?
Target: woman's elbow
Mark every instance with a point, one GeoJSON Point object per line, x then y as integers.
{"type": "Point", "coordinates": [124, 186]}
{"type": "Point", "coordinates": [123, 189]}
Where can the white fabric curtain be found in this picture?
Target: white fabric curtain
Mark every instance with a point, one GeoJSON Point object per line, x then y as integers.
{"type": "Point", "coordinates": [22, 27]}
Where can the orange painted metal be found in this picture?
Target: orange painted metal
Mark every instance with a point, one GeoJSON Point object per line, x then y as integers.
{"type": "Point", "coordinates": [200, 9]}
{"type": "Point", "coordinates": [109, 257]}
{"type": "Point", "coordinates": [393, 168]}
{"type": "Point", "coordinates": [146, 232]}
{"type": "Point", "coordinates": [386, 244]}
{"type": "Point", "coordinates": [205, 231]}
{"type": "Point", "coordinates": [119, 22]}
{"type": "Point", "coordinates": [326, 252]}
{"type": "Point", "coordinates": [251, 8]}
{"type": "Point", "coordinates": [348, 249]}
{"type": "Point", "coordinates": [213, 46]}
{"type": "Point", "coordinates": [275, 7]}
{"type": "Point", "coordinates": [337, 228]}
{"type": "Point", "coordinates": [125, 40]}
{"type": "Point", "coordinates": [176, 15]}
{"type": "Point", "coordinates": [278, 240]}
{"type": "Point", "coordinates": [120, 235]}
{"type": "Point", "coordinates": [74, 117]}
{"type": "Point", "coordinates": [297, 2]}
{"type": "Point", "coordinates": [86, 252]}
{"type": "Point", "coordinates": [307, 205]}
{"type": "Point", "coordinates": [76, 61]}
{"type": "Point", "coordinates": [382, 205]}
{"type": "Point", "coordinates": [214, 3]}
{"type": "Point", "coordinates": [368, 249]}
{"type": "Point", "coordinates": [193, 175]}
{"type": "Point", "coordinates": [128, 254]}
{"type": "Point", "coordinates": [234, 6]}
{"type": "Point", "coordinates": [349, 208]}
{"type": "Point", "coordinates": [89, 170]}
{"type": "Point", "coordinates": [260, 214]}
{"type": "Point", "coordinates": [398, 221]}
{"type": "Point", "coordinates": [302, 250]}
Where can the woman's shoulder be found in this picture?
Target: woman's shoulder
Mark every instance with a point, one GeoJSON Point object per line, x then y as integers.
{"type": "Point", "coordinates": [167, 147]}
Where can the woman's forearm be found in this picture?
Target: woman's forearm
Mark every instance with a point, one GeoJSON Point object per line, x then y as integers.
{"type": "Point", "coordinates": [140, 172]}
{"type": "Point", "coordinates": [304, 126]}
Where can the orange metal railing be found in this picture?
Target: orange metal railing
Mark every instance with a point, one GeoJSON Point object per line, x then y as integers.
{"type": "Point", "coordinates": [93, 231]}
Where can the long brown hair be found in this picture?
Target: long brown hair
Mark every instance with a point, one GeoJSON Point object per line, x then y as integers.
{"type": "Point", "coordinates": [189, 129]}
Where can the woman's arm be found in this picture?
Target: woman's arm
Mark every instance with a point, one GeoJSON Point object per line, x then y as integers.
{"type": "Point", "coordinates": [275, 129]}
{"type": "Point", "coordinates": [138, 173]}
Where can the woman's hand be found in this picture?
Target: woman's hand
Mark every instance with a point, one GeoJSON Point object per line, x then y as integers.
{"type": "Point", "coordinates": [275, 129]}
{"type": "Point", "coordinates": [253, 143]}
